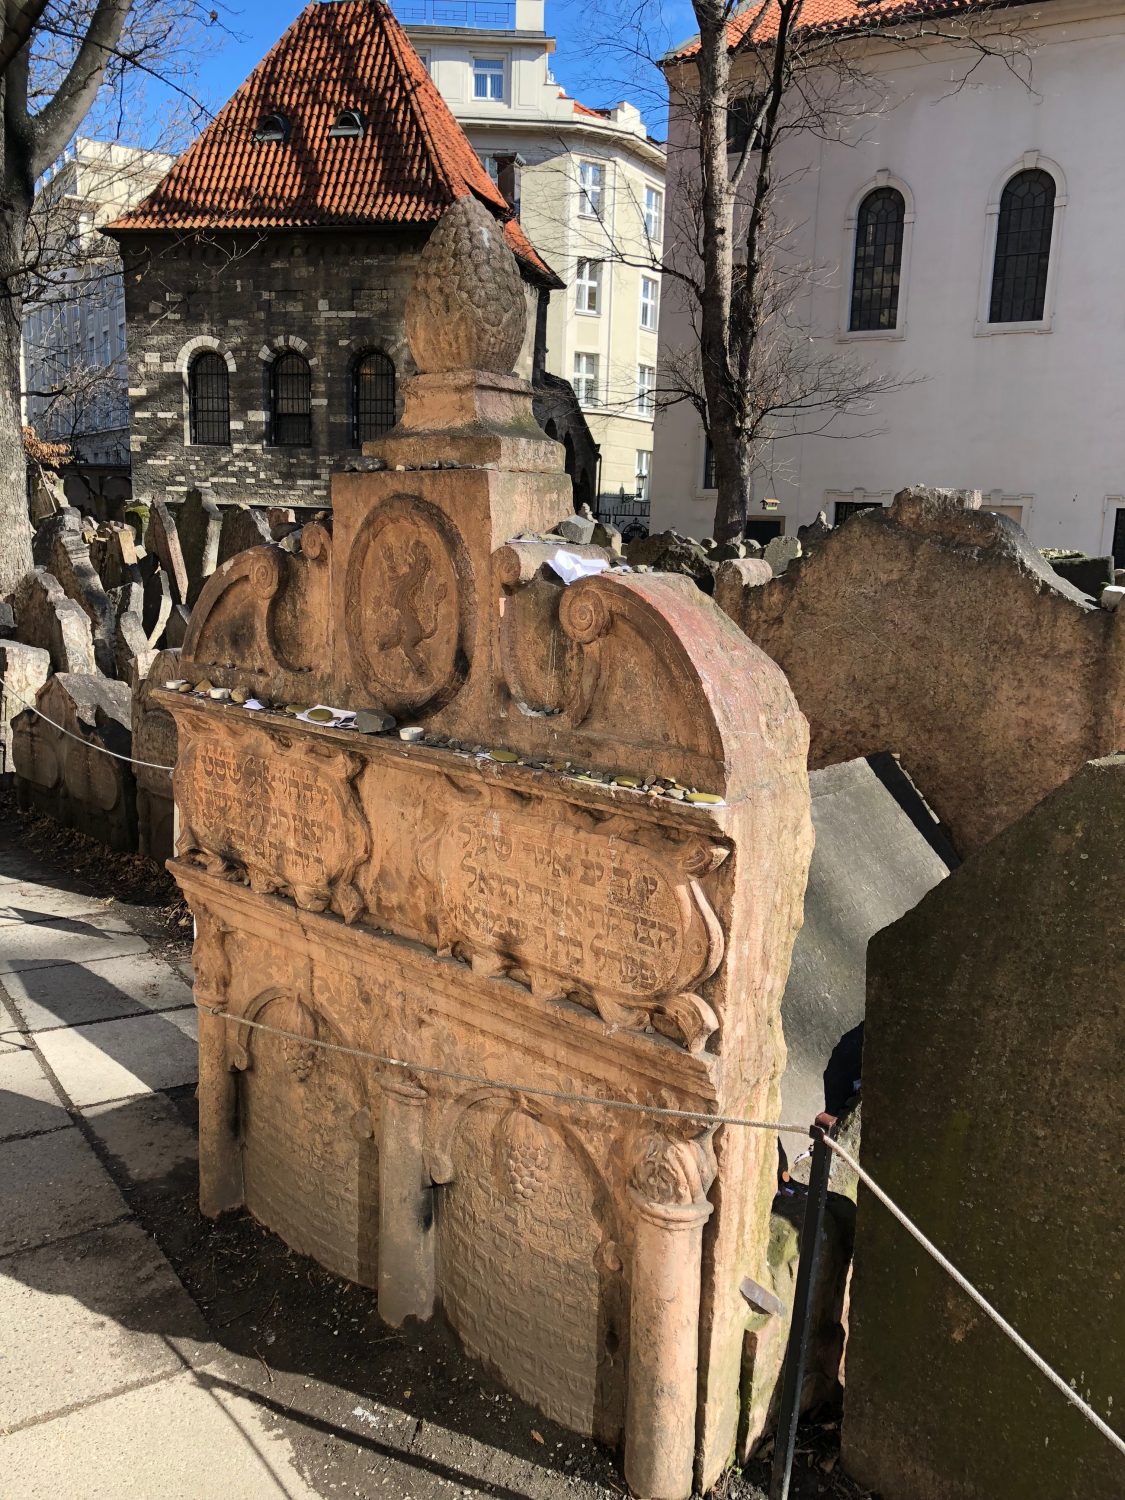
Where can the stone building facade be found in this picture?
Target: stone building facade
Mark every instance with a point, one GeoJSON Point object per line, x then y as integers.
{"type": "Point", "coordinates": [266, 338]}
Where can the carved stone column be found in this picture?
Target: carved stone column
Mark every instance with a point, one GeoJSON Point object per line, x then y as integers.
{"type": "Point", "coordinates": [406, 1206]}
{"type": "Point", "coordinates": [220, 1151]}
{"type": "Point", "coordinates": [668, 1187]}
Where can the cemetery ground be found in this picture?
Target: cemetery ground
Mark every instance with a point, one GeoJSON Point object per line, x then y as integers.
{"type": "Point", "coordinates": [148, 1350]}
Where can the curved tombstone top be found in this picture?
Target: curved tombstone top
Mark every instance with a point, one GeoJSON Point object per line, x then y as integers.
{"type": "Point", "coordinates": [466, 309]}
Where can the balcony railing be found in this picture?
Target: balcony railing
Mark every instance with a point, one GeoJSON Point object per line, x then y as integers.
{"type": "Point", "coordinates": [497, 15]}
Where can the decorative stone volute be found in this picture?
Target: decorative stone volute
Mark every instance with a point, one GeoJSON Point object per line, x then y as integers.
{"type": "Point", "coordinates": [466, 309]}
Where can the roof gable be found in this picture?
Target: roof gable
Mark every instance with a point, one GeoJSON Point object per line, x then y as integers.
{"type": "Point", "coordinates": [410, 163]}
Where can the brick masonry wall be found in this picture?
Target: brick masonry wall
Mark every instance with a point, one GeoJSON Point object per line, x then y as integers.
{"type": "Point", "coordinates": [331, 295]}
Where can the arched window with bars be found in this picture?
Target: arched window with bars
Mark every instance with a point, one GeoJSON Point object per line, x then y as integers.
{"type": "Point", "coordinates": [373, 396]}
{"type": "Point", "coordinates": [209, 399]}
{"type": "Point", "coordinates": [1023, 248]}
{"type": "Point", "coordinates": [290, 401]}
{"type": "Point", "coordinates": [877, 268]}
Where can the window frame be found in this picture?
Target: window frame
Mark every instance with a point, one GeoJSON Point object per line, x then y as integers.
{"type": "Point", "coordinates": [190, 372]}
{"type": "Point", "coordinates": [585, 285]}
{"type": "Point", "coordinates": [645, 402]}
{"type": "Point", "coordinates": [654, 233]}
{"type": "Point", "coordinates": [581, 378]}
{"type": "Point", "coordinates": [1030, 161]}
{"type": "Point", "coordinates": [491, 67]}
{"type": "Point", "coordinates": [871, 294]}
{"type": "Point", "coordinates": [273, 415]}
{"type": "Point", "coordinates": [358, 436]}
{"type": "Point", "coordinates": [846, 334]}
{"type": "Point", "coordinates": [587, 207]}
{"type": "Point", "coordinates": [654, 326]}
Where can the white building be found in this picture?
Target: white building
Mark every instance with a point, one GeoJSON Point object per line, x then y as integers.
{"type": "Point", "coordinates": [590, 186]}
{"type": "Point", "coordinates": [74, 376]}
{"type": "Point", "coordinates": [969, 236]}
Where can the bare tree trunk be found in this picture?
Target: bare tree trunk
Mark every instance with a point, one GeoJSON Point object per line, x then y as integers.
{"type": "Point", "coordinates": [15, 527]}
{"type": "Point", "coordinates": [733, 479]}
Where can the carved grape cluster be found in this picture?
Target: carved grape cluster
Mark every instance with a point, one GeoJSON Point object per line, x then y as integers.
{"type": "Point", "coordinates": [527, 1160]}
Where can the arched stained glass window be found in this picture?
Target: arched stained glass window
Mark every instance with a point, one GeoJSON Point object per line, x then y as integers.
{"type": "Point", "coordinates": [877, 270]}
{"type": "Point", "coordinates": [290, 401]}
{"type": "Point", "coordinates": [373, 396]}
{"type": "Point", "coordinates": [209, 399]}
{"type": "Point", "coordinates": [1023, 248]}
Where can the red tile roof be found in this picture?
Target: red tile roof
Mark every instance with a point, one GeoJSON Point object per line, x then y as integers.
{"type": "Point", "coordinates": [757, 20]}
{"type": "Point", "coordinates": [412, 161]}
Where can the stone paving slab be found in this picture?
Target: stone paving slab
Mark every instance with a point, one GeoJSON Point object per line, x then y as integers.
{"type": "Point", "coordinates": [168, 1441]}
{"type": "Point", "coordinates": [90, 1316]}
{"type": "Point", "coordinates": [53, 1185]}
{"type": "Point", "coordinates": [99, 990]}
{"type": "Point", "coordinates": [62, 940]}
{"type": "Point", "coordinates": [30, 902]}
{"type": "Point", "coordinates": [118, 1059]}
{"type": "Point", "coordinates": [148, 1137]}
{"type": "Point", "coordinates": [28, 1102]}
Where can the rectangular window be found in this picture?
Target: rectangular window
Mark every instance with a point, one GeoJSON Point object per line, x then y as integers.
{"type": "Point", "coordinates": [654, 213]}
{"type": "Point", "coordinates": [488, 78]}
{"type": "Point", "coordinates": [586, 379]}
{"type": "Point", "coordinates": [763, 529]}
{"type": "Point", "coordinates": [845, 508]}
{"type": "Point", "coordinates": [650, 301]}
{"type": "Point", "coordinates": [646, 390]}
{"type": "Point", "coordinates": [588, 286]}
{"type": "Point", "coordinates": [491, 166]}
{"type": "Point", "coordinates": [591, 181]}
{"type": "Point", "coordinates": [741, 116]}
{"type": "Point", "coordinates": [121, 336]}
{"type": "Point", "coordinates": [644, 460]}
{"type": "Point", "coordinates": [1118, 543]}
{"type": "Point", "coordinates": [424, 59]}
{"type": "Point", "coordinates": [708, 465]}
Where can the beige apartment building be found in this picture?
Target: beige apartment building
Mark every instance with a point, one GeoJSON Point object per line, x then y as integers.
{"type": "Point", "coordinates": [590, 190]}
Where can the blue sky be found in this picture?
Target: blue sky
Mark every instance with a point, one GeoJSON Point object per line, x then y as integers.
{"type": "Point", "coordinates": [595, 60]}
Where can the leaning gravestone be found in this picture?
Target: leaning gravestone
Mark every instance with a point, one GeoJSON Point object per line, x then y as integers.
{"type": "Point", "coordinates": [46, 618]}
{"type": "Point", "coordinates": [581, 871]}
{"type": "Point", "coordinates": [23, 671]}
{"type": "Point", "coordinates": [992, 1114]}
{"type": "Point", "coordinates": [242, 527]}
{"type": "Point", "coordinates": [199, 525]}
{"type": "Point", "coordinates": [162, 541]}
{"type": "Point", "coordinates": [61, 768]}
{"type": "Point", "coordinates": [154, 747]}
{"type": "Point", "coordinates": [61, 547]}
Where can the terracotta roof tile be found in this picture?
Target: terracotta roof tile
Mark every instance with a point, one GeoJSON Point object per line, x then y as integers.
{"type": "Point", "coordinates": [412, 161]}
{"type": "Point", "coordinates": [757, 20]}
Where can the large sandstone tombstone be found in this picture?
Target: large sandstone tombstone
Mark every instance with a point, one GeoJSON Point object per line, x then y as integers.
{"type": "Point", "coordinates": [199, 526]}
{"type": "Point", "coordinates": [162, 541]}
{"type": "Point", "coordinates": [154, 745]}
{"type": "Point", "coordinates": [933, 629]}
{"type": "Point", "coordinates": [525, 912]}
{"type": "Point", "coordinates": [992, 1109]}
{"type": "Point", "coordinates": [241, 527]}
{"type": "Point", "coordinates": [23, 671]}
{"type": "Point", "coordinates": [63, 771]}
{"type": "Point", "coordinates": [46, 618]}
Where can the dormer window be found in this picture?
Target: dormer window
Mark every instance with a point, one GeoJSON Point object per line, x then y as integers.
{"type": "Point", "coordinates": [347, 126]}
{"type": "Point", "coordinates": [272, 128]}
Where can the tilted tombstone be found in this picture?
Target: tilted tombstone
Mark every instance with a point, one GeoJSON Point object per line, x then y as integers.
{"type": "Point", "coordinates": [154, 746]}
{"type": "Point", "coordinates": [992, 1115]}
{"type": "Point", "coordinates": [61, 766]}
{"type": "Point", "coordinates": [242, 527]}
{"type": "Point", "coordinates": [23, 671]}
{"type": "Point", "coordinates": [501, 899]}
{"type": "Point", "coordinates": [199, 523]}
{"type": "Point", "coordinates": [162, 541]}
{"type": "Point", "coordinates": [60, 546]}
{"type": "Point", "coordinates": [45, 617]}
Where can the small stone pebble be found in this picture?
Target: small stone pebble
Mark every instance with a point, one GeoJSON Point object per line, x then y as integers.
{"type": "Point", "coordinates": [238, 695]}
{"type": "Point", "coordinates": [506, 757]}
{"type": "Point", "coordinates": [221, 694]}
{"type": "Point", "coordinates": [411, 733]}
{"type": "Point", "coordinates": [706, 797]}
{"type": "Point", "coordinates": [177, 685]}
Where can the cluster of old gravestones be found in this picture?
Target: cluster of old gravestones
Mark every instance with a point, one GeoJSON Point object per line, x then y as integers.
{"type": "Point", "coordinates": [79, 636]}
{"type": "Point", "coordinates": [560, 833]}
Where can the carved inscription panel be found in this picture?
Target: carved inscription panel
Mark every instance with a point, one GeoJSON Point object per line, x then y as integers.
{"type": "Point", "coordinates": [522, 1269]}
{"type": "Point", "coordinates": [601, 912]}
{"type": "Point", "coordinates": [310, 1160]}
{"type": "Point", "coordinates": [288, 814]}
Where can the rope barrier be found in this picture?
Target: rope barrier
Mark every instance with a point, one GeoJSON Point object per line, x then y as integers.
{"type": "Point", "coordinates": [712, 1120]}
{"type": "Point", "coordinates": [150, 765]}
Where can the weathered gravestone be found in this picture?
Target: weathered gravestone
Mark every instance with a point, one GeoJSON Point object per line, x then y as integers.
{"type": "Point", "coordinates": [154, 746]}
{"type": "Point", "coordinates": [63, 771]}
{"type": "Point", "coordinates": [496, 914]}
{"type": "Point", "coordinates": [242, 527]}
{"type": "Point", "coordinates": [23, 671]}
{"type": "Point", "coordinates": [60, 546]}
{"type": "Point", "coordinates": [46, 618]}
{"type": "Point", "coordinates": [162, 541]}
{"type": "Point", "coordinates": [199, 526]}
{"type": "Point", "coordinates": [992, 1113]}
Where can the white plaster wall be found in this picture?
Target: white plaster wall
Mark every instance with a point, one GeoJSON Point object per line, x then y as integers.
{"type": "Point", "coordinates": [1034, 417]}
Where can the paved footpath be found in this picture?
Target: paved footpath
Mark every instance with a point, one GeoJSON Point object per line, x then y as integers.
{"type": "Point", "coordinates": [109, 1382]}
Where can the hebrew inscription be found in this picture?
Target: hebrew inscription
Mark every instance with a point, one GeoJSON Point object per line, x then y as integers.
{"type": "Point", "coordinates": [288, 816]}
{"type": "Point", "coordinates": [601, 914]}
